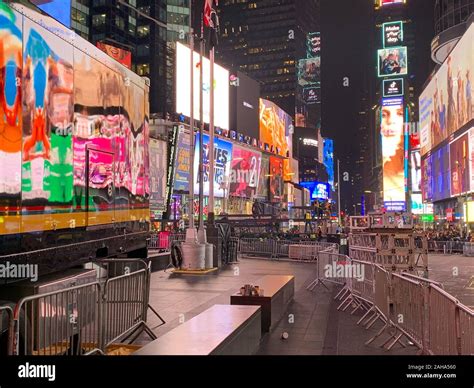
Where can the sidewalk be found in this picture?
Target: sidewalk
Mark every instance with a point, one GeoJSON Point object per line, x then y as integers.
{"type": "Point", "coordinates": [313, 325]}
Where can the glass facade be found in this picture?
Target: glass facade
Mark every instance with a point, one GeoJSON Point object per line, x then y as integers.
{"type": "Point", "coordinates": [449, 13]}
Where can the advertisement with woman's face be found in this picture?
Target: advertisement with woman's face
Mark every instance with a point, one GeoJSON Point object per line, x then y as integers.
{"type": "Point", "coordinates": [393, 153]}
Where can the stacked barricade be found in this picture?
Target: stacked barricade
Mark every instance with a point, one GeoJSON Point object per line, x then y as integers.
{"type": "Point", "coordinates": [273, 248]}
{"type": "Point", "coordinates": [468, 249]}
{"type": "Point", "coordinates": [86, 319]}
{"type": "Point", "coordinates": [446, 247]}
{"type": "Point", "coordinates": [410, 306]}
{"type": "Point", "coordinates": [6, 329]}
{"type": "Point", "coordinates": [163, 241]}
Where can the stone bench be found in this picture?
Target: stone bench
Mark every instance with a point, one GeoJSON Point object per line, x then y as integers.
{"type": "Point", "coordinates": [278, 293]}
{"type": "Point", "coordinates": [220, 330]}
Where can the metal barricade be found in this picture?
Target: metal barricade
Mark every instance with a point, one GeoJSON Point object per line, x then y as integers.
{"type": "Point", "coordinates": [329, 264]}
{"type": "Point", "coordinates": [256, 247]}
{"type": "Point", "coordinates": [443, 334]}
{"type": "Point", "coordinates": [468, 249]}
{"type": "Point", "coordinates": [466, 330]}
{"type": "Point", "coordinates": [65, 322]}
{"type": "Point", "coordinates": [6, 330]}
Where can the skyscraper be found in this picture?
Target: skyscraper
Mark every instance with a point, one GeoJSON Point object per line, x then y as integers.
{"type": "Point", "coordinates": [265, 39]}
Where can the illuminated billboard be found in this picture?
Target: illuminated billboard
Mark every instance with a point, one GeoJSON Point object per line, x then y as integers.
{"type": "Point", "coordinates": [471, 157]}
{"type": "Point", "coordinates": [183, 83]}
{"type": "Point", "coordinates": [392, 34]}
{"type": "Point", "coordinates": [312, 95]}
{"type": "Point", "coordinates": [446, 104]}
{"type": "Point", "coordinates": [222, 165]}
{"type": "Point", "coordinates": [309, 71]}
{"type": "Point", "coordinates": [459, 162]}
{"type": "Point", "coordinates": [58, 9]}
{"type": "Point", "coordinates": [263, 181]}
{"type": "Point", "coordinates": [276, 179]}
{"type": "Point", "coordinates": [182, 161]}
{"type": "Point", "coordinates": [275, 127]}
{"type": "Point", "coordinates": [328, 160]}
{"type": "Point", "coordinates": [245, 173]}
{"type": "Point", "coordinates": [393, 151]}
{"type": "Point", "coordinates": [120, 55]}
{"type": "Point", "coordinates": [393, 87]}
{"type": "Point", "coordinates": [158, 168]}
{"type": "Point", "coordinates": [318, 190]}
{"type": "Point", "coordinates": [415, 162]}
{"type": "Point", "coordinates": [416, 204]}
{"type": "Point", "coordinates": [313, 45]}
{"type": "Point", "coordinates": [441, 173]}
{"type": "Point", "coordinates": [392, 61]}
{"type": "Point", "coordinates": [391, 2]}
{"type": "Point", "coordinates": [426, 179]}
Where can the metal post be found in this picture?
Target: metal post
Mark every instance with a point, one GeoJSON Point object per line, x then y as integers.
{"type": "Point", "coordinates": [201, 130]}
{"type": "Point", "coordinates": [191, 129]}
{"type": "Point", "coordinates": [211, 140]}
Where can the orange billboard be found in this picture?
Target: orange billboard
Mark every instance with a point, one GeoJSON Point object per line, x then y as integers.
{"type": "Point", "coordinates": [120, 55]}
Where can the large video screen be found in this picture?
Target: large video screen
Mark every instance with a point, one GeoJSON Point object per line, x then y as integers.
{"type": "Point", "coordinates": [276, 179]}
{"type": "Point", "coordinates": [441, 173]}
{"type": "Point", "coordinates": [222, 165]}
{"type": "Point", "coordinates": [275, 127]}
{"type": "Point", "coordinates": [471, 157]}
{"type": "Point", "coordinates": [120, 55]}
{"type": "Point", "coordinates": [11, 66]}
{"type": "Point", "coordinates": [263, 181]}
{"type": "Point", "coordinates": [426, 179]}
{"type": "Point", "coordinates": [460, 166]}
{"type": "Point", "coordinates": [183, 84]}
{"type": "Point", "coordinates": [318, 190]}
{"type": "Point", "coordinates": [182, 162]}
{"type": "Point", "coordinates": [393, 151]}
{"type": "Point", "coordinates": [158, 168]}
{"type": "Point", "coordinates": [58, 9]}
{"type": "Point", "coordinates": [309, 71]}
{"type": "Point", "coordinates": [393, 61]}
{"type": "Point", "coordinates": [446, 104]}
{"type": "Point", "coordinates": [244, 105]}
{"type": "Point", "coordinates": [415, 162]}
{"type": "Point", "coordinates": [245, 172]}
{"type": "Point", "coordinates": [328, 160]}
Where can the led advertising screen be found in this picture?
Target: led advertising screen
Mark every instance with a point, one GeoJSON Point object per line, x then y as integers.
{"type": "Point", "coordinates": [393, 61]}
{"type": "Point", "coordinates": [182, 162]}
{"type": "Point", "coordinates": [263, 180]}
{"type": "Point", "coordinates": [222, 165]}
{"type": "Point", "coordinates": [426, 179]}
{"type": "Point", "coordinates": [275, 127]}
{"type": "Point", "coordinates": [309, 71]}
{"type": "Point", "coordinates": [393, 151]}
{"type": "Point", "coordinates": [245, 172]}
{"type": "Point", "coordinates": [158, 168]}
{"type": "Point", "coordinates": [415, 162]}
{"type": "Point", "coordinates": [313, 45]}
{"type": "Point", "coordinates": [392, 34]}
{"type": "Point", "coordinates": [446, 104]}
{"type": "Point", "coordinates": [312, 95]}
{"type": "Point", "coordinates": [318, 190]}
{"type": "Point", "coordinates": [276, 179]}
{"type": "Point", "coordinates": [393, 87]}
{"type": "Point", "coordinates": [58, 9]}
{"type": "Point", "coordinates": [11, 109]}
{"type": "Point", "coordinates": [120, 55]}
{"type": "Point", "coordinates": [441, 173]}
{"type": "Point", "coordinates": [416, 204]}
{"type": "Point", "coordinates": [471, 153]}
{"type": "Point", "coordinates": [390, 2]}
{"type": "Point", "coordinates": [183, 83]}
{"type": "Point", "coordinates": [328, 160]}
{"type": "Point", "coordinates": [459, 162]}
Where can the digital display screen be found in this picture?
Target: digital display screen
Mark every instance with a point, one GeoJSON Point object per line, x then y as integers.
{"type": "Point", "coordinates": [245, 172]}
{"type": "Point", "coordinates": [392, 61]}
{"type": "Point", "coordinates": [460, 166]}
{"type": "Point", "coordinates": [318, 190]}
{"type": "Point", "coordinates": [392, 34]}
{"type": "Point", "coordinates": [276, 179]}
{"type": "Point", "coordinates": [57, 9]}
{"type": "Point", "coordinates": [441, 173]}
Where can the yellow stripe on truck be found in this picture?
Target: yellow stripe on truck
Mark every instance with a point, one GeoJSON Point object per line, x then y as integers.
{"type": "Point", "coordinates": [44, 222]}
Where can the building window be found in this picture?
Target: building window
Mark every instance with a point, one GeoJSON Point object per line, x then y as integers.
{"type": "Point", "coordinates": [119, 22]}
{"type": "Point", "coordinates": [143, 69]}
{"type": "Point", "coordinates": [143, 50]}
{"type": "Point", "coordinates": [143, 31]}
{"type": "Point", "coordinates": [99, 20]}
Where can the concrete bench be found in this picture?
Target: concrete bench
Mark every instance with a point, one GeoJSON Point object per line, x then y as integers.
{"type": "Point", "coordinates": [278, 293]}
{"type": "Point", "coordinates": [220, 330]}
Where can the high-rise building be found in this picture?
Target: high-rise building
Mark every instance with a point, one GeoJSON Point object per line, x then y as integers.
{"type": "Point", "coordinates": [266, 39]}
{"type": "Point", "coordinates": [130, 25]}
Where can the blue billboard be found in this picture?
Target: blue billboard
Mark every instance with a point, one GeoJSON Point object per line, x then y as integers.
{"type": "Point", "coordinates": [328, 160]}
{"type": "Point", "coordinates": [318, 190]}
{"type": "Point", "coordinates": [57, 9]}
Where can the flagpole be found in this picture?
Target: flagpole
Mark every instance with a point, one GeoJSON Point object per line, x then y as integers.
{"type": "Point", "coordinates": [191, 131]}
{"type": "Point", "coordinates": [201, 145]}
{"type": "Point", "coordinates": [211, 137]}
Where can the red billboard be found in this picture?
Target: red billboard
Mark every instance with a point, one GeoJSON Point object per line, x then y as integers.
{"type": "Point", "coordinates": [120, 55]}
{"type": "Point", "coordinates": [245, 172]}
{"type": "Point", "coordinates": [276, 179]}
{"type": "Point", "coordinates": [460, 172]}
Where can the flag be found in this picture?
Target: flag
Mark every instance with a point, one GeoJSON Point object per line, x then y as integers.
{"type": "Point", "coordinates": [208, 5]}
